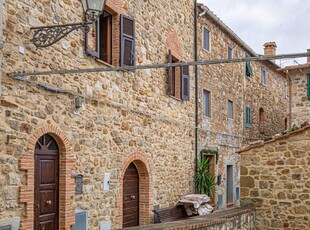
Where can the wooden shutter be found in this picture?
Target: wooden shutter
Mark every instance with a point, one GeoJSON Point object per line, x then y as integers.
{"type": "Point", "coordinates": [248, 69]}
{"type": "Point", "coordinates": [127, 41]}
{"type": "Point", "coordinates": [308, 88]}
{"type": "Point", "coordinates": [177, 77]}
{"type": "Point", "coordinates": [170, 75]}
{"type": "Point", "coordinates": [248, 117]}
{"type": "Point", "coordinates": [92, 41]}
{"type": "Point", "coordinates": [185, 83]}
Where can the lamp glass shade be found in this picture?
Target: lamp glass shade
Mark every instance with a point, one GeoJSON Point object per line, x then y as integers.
{"type": "Point", "coordinates": [93, 6]}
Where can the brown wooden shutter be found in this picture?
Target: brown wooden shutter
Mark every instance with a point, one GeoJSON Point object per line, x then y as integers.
{"type": "Point", "coordinates": [177, 82]}
{"type": "Point", "coordinates": [185, 83]}
{"type": "Point", "coordinates": [127, 42]}
{"type": "Point", "coordinates": [170, 80]}
{"type": "Point", "coordinates": [92, 43]}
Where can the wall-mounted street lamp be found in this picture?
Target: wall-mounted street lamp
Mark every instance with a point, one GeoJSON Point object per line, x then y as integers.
{"type": "Point", "coordinates": [45, 36]}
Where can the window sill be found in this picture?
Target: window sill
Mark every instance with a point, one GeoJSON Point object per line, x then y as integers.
{"type": "Point", "coordinates": [176, 98]}
{"type": "Point", "coordinates": [207, 51]}
{"type": "Point", "coordinates": [206, 117]}
{"type": "Point", "coordinates": [248, 126]}
{"type": "Point", "coordinates": [103, 62]}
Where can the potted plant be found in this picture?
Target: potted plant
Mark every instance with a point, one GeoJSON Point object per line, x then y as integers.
{"type": "Point", "coordinates": [204, 179]}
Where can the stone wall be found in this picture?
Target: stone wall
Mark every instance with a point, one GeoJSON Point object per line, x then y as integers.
{"type": "Point", "coordinates": [237, 218]}
{"type": "Point", "coordinates": [275, 179]}
{"type": "Point", "coordinates": [229, 82]}
{"type": "Point", "coordinates": [123, 113]}
{"type": "Point", "coordinates": [300, 103]}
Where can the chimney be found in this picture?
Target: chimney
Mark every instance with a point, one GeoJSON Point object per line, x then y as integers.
{"type": "Point", "coordinates": [270, 49]}
{"type": "Point", "coordinates": [308, 57]}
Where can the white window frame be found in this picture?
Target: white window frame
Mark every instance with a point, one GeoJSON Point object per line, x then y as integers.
{"type": "Point", "coordinates": [232, 52]}
{"type": "Point", "coordinates": [203, 39]}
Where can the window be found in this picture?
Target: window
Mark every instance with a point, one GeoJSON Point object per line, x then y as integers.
{"type": "Point", "coordinates": [248, 69]}
{"type": "Point", "coordinates": [286, 90]}
{"type": "Point", "coordinates": [261, 120]}
{"type": "Point", "coordinates": [263, 71]}
{"type": "Point", "coordinates": [206, 39]}
{"type": "Point", "coordinates": [230, 109]}
{"type": "Point", "coordinates": [100, 44]}
{"type": "Point", "coordinates": [99, 38]}
{"type": "Point", "coordinates": [229, 52]}
{"type": "Point", "coordinates": [308, 86]}
{"type": "Point", "coordinates": [179, 81]}
{"type": "Point", "coordinates": [248, 117]}
{"type": "Point", "coordinates": [206, 103]}
{"type": "Point", "coordinates": [127, 41]}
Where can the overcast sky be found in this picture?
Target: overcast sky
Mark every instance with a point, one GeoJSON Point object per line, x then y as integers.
{"type": "Point", "coordinates": [287, 22]}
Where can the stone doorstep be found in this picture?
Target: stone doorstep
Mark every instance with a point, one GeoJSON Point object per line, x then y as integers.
{"type": "Point", "coordinates": [14, 223]}
{"type": "Point", "coordinates": [217, 217]}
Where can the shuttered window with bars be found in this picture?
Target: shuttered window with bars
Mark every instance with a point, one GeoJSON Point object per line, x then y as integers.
{"type": "Point", "coordinates": [178, 80]}
{"type": "Point", "coordinates": [99, 40]}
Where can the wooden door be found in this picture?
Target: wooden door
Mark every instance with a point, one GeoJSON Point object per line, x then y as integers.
{"type": "Point", "coordinates": [131, 197]}
{"type": "Point", "coordinates": [46, 184]}
{"type": "Point", "coordinates": [230, 186]}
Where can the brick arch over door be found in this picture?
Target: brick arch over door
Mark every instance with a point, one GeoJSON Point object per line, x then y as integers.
{"type": "Point", "coordinates": [145, 188]}
{"type": "Point", "coordinates": [66, 185]}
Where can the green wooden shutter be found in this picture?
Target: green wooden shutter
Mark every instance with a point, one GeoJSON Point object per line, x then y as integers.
{"type": "Point", "coordinates": [248, 117]}
{"type": "Point", "coordinates": [308, 83]}
{"type": "Point", "coordinates": [248, 69]}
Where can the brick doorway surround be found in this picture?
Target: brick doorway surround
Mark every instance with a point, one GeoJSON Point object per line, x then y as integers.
{"type": "Point", "coordinates": [66, 181]}
{"type": "Point", "coordinates": [145, 188]}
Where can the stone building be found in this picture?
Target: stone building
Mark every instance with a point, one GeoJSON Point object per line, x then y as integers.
{"type": "Point", "coordinates": [239, 102]}
{"type": "Point", "coordinates": [275, 179]}
{"type": "Point", "coordinates": [299, 92]}
{"type": "Point", "coordinates": [72, 144]}
{"type": "Point", "coordinates": [127, 120]}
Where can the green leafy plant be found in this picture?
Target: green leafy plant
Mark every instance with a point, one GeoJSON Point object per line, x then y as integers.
{"type": "Point", "coordinates": [204, 179]}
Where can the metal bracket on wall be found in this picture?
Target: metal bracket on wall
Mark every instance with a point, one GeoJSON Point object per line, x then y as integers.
{"type": "Point", "coordinates": [45, 36]}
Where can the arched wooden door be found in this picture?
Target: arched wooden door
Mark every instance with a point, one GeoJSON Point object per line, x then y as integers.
{"type": "Point", "coordinates": [46, 199]}
{"type": "Point", "coordinates": [131, 197]}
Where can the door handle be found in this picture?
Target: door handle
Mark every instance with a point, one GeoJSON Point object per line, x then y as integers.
{"type": "Point", "coordinates": [48, 202]}
{"type": "Point", "coordinates": [133, 197]}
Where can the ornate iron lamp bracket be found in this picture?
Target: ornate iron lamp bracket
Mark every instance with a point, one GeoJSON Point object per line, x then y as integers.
{"type": "Point", "coordinates": [45, 36]}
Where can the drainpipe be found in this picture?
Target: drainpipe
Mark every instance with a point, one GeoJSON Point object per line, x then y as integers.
{"type": "Point", "coordinates": [196, 87]}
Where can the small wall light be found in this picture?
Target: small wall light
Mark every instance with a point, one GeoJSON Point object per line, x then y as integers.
{"type": "Point", "coordinates": [78, 102]}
